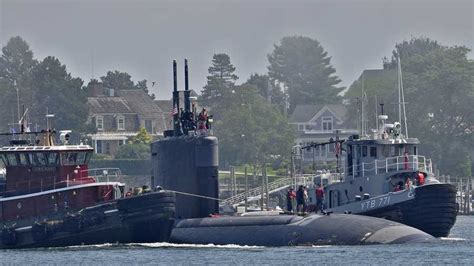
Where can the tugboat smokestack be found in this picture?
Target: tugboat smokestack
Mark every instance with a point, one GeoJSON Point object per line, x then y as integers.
{"type": "Point", "coordinates": [187, 103]}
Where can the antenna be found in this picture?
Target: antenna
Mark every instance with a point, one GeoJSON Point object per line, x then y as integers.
{"type": "Point", "coordinates": [401, 96]}
{"type": "Point", "coordinates": [175, 100]}
{"type": "Point", "coordinates": [376, 114]}
{"type": "Point", "coordinates": [363, 122]}
{"type": "Point", "coordinates": [92, 64]}
{"type": "Point", "coordinates": [187, 104]}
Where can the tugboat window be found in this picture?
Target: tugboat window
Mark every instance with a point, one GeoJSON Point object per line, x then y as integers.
{"type": "Point", "coordinates": [39, 158]}
{"type": "Point", "coordinates": [23, 159]}
{"type": "Point", "coordinates": [52, 158]}
{"type": "Point", "coordinates": [12, 159]}
{"type": "Point", "coordinates": [364, 151]}
{"type": "Point", "coordinates": [373, 152]}
{"type": "Point", "coordinates": [68, 158]}
{"type": "Point", "coordinates": [414, 150]}
{"type": "Point", "coordinates": [4, 160]}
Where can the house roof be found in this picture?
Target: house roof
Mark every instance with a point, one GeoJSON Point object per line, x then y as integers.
{"type": "Point", "coordinates": [165, 105]}
{"type": "Point", "coordinates": [304, 113]}
{"type": "Point", "coordinates": [140, 102]}
{"type": "Point", "coordinates": [103, 105]}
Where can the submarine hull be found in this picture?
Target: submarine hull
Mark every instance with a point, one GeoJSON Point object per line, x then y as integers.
{"type": "Point", "coordinates": [291, 230]}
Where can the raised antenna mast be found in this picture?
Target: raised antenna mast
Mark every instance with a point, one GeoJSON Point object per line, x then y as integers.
{"type": "Point", "coordinates": [401, 98]}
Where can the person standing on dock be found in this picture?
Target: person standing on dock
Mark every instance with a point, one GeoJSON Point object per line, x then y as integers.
{"type": "Point", "coordinates": [300, 200]}
{"type": "Point", "coordinates": [290, 197]}
{"type": "Point", "coordinates": [319, 198]}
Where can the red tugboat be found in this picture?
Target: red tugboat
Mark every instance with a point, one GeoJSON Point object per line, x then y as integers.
{"type": "Point", "coordinates": [49, 199]}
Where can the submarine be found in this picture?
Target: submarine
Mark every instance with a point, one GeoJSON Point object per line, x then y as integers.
{"type": "Point", "coordinates": [185, 161]}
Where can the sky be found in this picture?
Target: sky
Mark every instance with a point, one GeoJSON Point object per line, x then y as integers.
{"type": "Point", "coordinates": [143, 37]}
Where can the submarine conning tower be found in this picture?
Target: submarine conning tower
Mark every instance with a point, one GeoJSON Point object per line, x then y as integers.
{"type": "Point", "coordinates": [186, 159]}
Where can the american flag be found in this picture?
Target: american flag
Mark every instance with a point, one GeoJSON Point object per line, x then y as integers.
{"type": "Point", "coordinates": [174, 111]}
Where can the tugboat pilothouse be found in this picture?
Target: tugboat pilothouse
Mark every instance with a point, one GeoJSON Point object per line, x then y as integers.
{"type": "Point", "coordinates": [386, 177]}
{"type": "Point", "coordinates": [49, 199]}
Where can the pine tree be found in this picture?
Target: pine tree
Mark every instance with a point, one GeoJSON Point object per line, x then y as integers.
{"type": "Point", "coordinates": [220, 81]}
{"type": "Point", "coordinates": [16, 67]}
{"type": "Point", "coordinates": [304, 68]}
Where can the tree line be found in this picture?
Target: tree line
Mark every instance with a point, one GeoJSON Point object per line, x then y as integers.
{"type": "Point", "coordinates": [251, 117]}
{"type": "Point", "coordinates": [42, 86]}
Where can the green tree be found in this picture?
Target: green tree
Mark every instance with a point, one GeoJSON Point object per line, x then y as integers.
{"type": "Point", "coordinates": [133, 151]}
{"type": "Point", "coordinates": [16, 66]}
{"type": "Point", "coordinates": [142, 137]}
{"type": "Point", "coordinates": [58, 92]}
{"type": "Point", "coordinates": [137, 148]}
{"type": "Point", "coordinates": [439, 88]}
{"type": "Point", "coordinates": [415, 47]}
{"type": "Point", "coordinates": [252, 130]}
{"type": "Point", "coordinates": [142, 85]}
{"type": "Point", "coordinates": [117, 80]}
{"type": "Point", "coordinates": [220, 82]}
{"type": "Point", "coordinates": [268, 90]}
{"type": "Point", "coordinates": [304, 68]}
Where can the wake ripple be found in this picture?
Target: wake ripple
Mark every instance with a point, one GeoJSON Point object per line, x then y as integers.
{"type": "Point", "coordinates": [453, 239]}
{"type": "Point", "coordinates": [172, 245]}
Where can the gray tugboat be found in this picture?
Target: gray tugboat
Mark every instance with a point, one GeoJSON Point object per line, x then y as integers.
{"type": "Point", "coordinates": [386, 177]}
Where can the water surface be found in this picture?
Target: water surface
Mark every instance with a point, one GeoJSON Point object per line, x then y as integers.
{"type": "Point", "coordinates": [458, 248]}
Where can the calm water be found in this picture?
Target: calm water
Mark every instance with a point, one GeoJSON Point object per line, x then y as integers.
{"type": "Point", "coordinates": [457, 249]}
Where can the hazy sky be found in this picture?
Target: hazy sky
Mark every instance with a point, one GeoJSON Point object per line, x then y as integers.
{"type": "Point", "coordinates": [143, 37]}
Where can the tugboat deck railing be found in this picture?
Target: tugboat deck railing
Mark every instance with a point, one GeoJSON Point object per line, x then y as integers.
{"type": "Point", "coordinates": [102, 174]}
{"type": "Point", "coordinates": [394, 164]}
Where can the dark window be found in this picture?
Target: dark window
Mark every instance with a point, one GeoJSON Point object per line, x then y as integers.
{"type": "Point", "coordinates": [364, 151]}
{"type": "Point", "coordinates": [327, 123]}
{"type": "Point", "coordinates": [12, 159]}
{"type": "Point", "coordinates": [4, 159]}
{"type": "Point", "coordinates": [53, 158]}
{"type": "Point", "coordinates": [149, 126]}
{"type": "Point", "coordinates": [98, 147]}
{"type": "Point", "coordinates": [373, 152]}
{"type": "Point", "coordinates": [69, 158]}
{"type": "Point", "coordinates": [39, 158]}
{"type": "Point", "coordinates": [107, 147]}
{"type": "Point", "coordinates": [81, 157]}
{"type": "Point", "coordinates": [414, 150]}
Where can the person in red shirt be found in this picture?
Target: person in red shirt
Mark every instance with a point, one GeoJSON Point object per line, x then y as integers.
{"type": "Point", "coordinates": [290, 196]}
{"type": "Point", "coordinates": [319, 198]}
{"type": "Point", "coordinates": [420, 178]}
{"type": "Point", "coordinates": [202, 119]}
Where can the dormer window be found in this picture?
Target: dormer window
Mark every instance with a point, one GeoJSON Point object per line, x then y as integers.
{"type": "Point", "coordinates": [99, 122]}
{"type": "Point", "coordinates": [120, 122]}
{"type": "Point", "coordinates": [327, 123]}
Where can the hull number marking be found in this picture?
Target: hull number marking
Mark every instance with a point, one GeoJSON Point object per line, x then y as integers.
{"type": "Point", "coordinates": [375, 203]}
